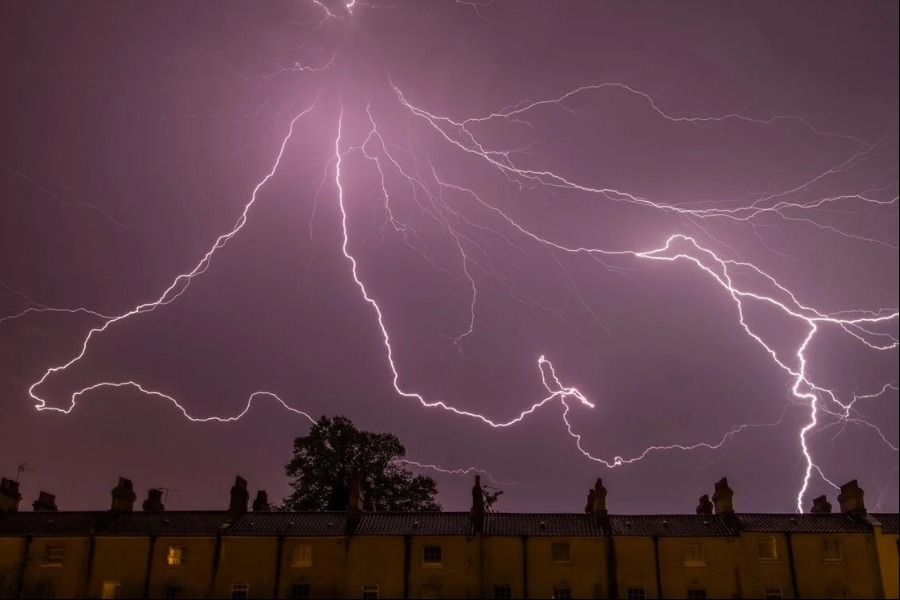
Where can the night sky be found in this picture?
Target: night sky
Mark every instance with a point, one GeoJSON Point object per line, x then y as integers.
{"type": "Point", "coordinates": [763, 137]}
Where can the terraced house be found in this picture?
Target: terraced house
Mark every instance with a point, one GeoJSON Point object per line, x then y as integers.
{"type": "Point", "coordinates": [715, 553]}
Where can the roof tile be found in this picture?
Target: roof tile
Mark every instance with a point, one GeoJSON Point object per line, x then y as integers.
{"type": "Point", "coordinates": [670, 525]}
{"type": "Point", "coordinates": [424, 523]}
{"type": "Point", "coordinates": [299, 524]}
{"type": "Point", "coordinates": [805, 523]}
{"type": "Point", "coordinates": [537, 524]}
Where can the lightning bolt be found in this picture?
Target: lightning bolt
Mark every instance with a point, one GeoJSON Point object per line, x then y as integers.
{"type": "Point", "coordinates": [741, 282]}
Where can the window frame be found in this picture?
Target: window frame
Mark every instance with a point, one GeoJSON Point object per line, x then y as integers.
{"type": "Point", "coordinates": [773, 593]}
{"type": "Point", "coordinates": [562, 592]}
{"type": "Point", "coordinates": [302, 556]}
{"type": "Point", "coordinates": [110, 586]}
{"type": "Point", "coordinates": [697, 593]}
{"type": "Point", "coordinates": [177, 589]}
{"type": "Point", "coordinates": [176, 555]}
{"type": "Point", "coordinates": [636, 593]}
{"type": "Point", "coordinates": [560, 552]}
{"type": "Point", "coordinates": [694, 554]}
{"type": "Point", "coordinates": [771, 549]}
{"type": "Point", "coordinates": [429, 562]}
{"type": "Point", "coordinates": [505, 594]}
{"type": "Point", "coordinates": [370, 590]}
{"type": "Point", "coordinates": [297, 586]}
{"type": "Point", "coordinates": [54, 556]}
{"type": "Point", "coordinates": [832, 550]}
{"type": "Point", "coordinates": [240, 587]}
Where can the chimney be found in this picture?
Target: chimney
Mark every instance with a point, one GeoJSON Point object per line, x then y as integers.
{"type": "Point", "coordinates": [722, 497]}
{"type": "Point", "coordinates": [704, 506]}
{"type": "Point", "coordinates": [261, 504]}
{"type": "Point", "coordinates": [356, 500]}
{"type": "Point", "coordinates": [154, 502]}
{"type": "Point", "coordinates": [851, 498]}
{"type": "Point", "coordinates": [9, 495]}
{"type": "Point", "coordinates": [239, 497]}
{"type": "Point", "coordinates": [821, 505]}
{"type": "Point", "coordinates": [599, 499]}
{"type": "Point", "coordinates": [45, 503]}
{"type": "Point", "coordinates": [123, 496]}
{"type": "Point", "coordinates": [589, 507]}
{"type": "Point", "coordinates": [477, 512]}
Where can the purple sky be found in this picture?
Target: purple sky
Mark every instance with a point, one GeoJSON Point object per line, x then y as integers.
{"type": "Point", "coordinates": [134, 134]}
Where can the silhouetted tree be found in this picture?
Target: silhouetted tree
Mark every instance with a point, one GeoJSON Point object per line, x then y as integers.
{"type": "Point", "coordinates": [491, 495]}
{"type": "Point", "coordinates": [334, 452]}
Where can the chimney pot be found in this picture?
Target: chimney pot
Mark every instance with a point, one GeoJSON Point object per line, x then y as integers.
{"type": "Point", "coordinates": [356, 503]}
{"type": "Point", "coordinates": [46, 502]}
{"type": "Point", "coordinates": [261, 504]}
{"type": "Point", "coordinates": [239, 497]}
{"type": "Point", "coordinates": [9, 495]}
{"type": "Point", "coordinates": [704, 506]}
{"type": "Point", "coordinates": [821, 505]}
{"type": "Point", "coordinates": [599, 499]}
{"type": "Point", "coordinates": [123, 496]}
{"type": "Point", "coordinates": [722, 497]}
{"type": "Point", "coordinates": [154, 502]}
{"type": "Point", "coordinates": [851, 498]}
{"type": "Point", "coordinates": [477, 512]}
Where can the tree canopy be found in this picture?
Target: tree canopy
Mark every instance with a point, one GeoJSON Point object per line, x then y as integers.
{"type": "Point", "coordinates": [334, 452]}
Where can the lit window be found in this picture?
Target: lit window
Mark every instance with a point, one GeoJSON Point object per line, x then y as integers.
{"type": "Point", "coordinates": [177, 555]}
{"type": "Point", "coordinates": [240, 591]}
{"type": "Point", "coordinates": [53, 556]}
{"type": "Point", "coordinates": [636, 593]}
{"type": "Point", "coordinates": [693, 555]}
{"type": "Point", "coordinates": [432, 556]}
{"type": "Point", "coordinates": [110, 589]}
{"type": "Point", "coordinates": [562, 593]}
{"type": "Point", "coordinates": [502, 591]}
{"type": "Point", "coordinates": [831, 550]}
{"type": "Point", "coordinates": [300, 591]}
{"type": "Point", "coordinates": [773, 593]}
{"type": "Point", "coordinates": [302, 557]}
{"type": "Point", "coordinates": [560, 551]}
{"type": "Point", "coordinates": [432, 590]}
{"type": "Point", "coordinates": [696, 593]}
{"type": "Point", "coordinates": [173, 592]}
{"type": "Point", "coordinates": [370, 591]}
{"type": "Point", "coordinates": [766, 549]}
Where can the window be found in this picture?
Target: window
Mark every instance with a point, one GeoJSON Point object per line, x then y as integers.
{"type": "Point", "coordinates": [300, 591]}
{"type": "Point", "coordinates": [502, 591]}
{"type": "Point", "coordinates": [696, 593]}
{"type": "Point", "coordinates": [432, 556]}
{"type": "Point", "coordinates": [766, 549]}
{"type": "Point", "coordinates": [831, 550]}
{"type": "Point", "coordinates": [773, 593]}
{"type": "Point", "coordinates": [302, 556]}
{"type": "Point", "coordinates": [636, 593]}
{"type": "Point", "coordinates": [53, 556]}
{"type": "Point", "coordinates": [370, 591]}
{"type": "Point", "coordinates": [110, 589]}
{"type": "Point", "coordinates": [177, 555]}
{"type": "Point", "coordinates": [560, 551]}
{"type": "Point", "coordinates": [46, 589]}
{"type": "Point", "coordinates": [432, 590]}
{"type": "Point", "coordinates": [693, 555]}
{"type": "Point", "coordinates": [562, 593]}
{"type": "Point", "coordinates": [173, 592]}
{"type": "Point", "coordinates": [240, 591]}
